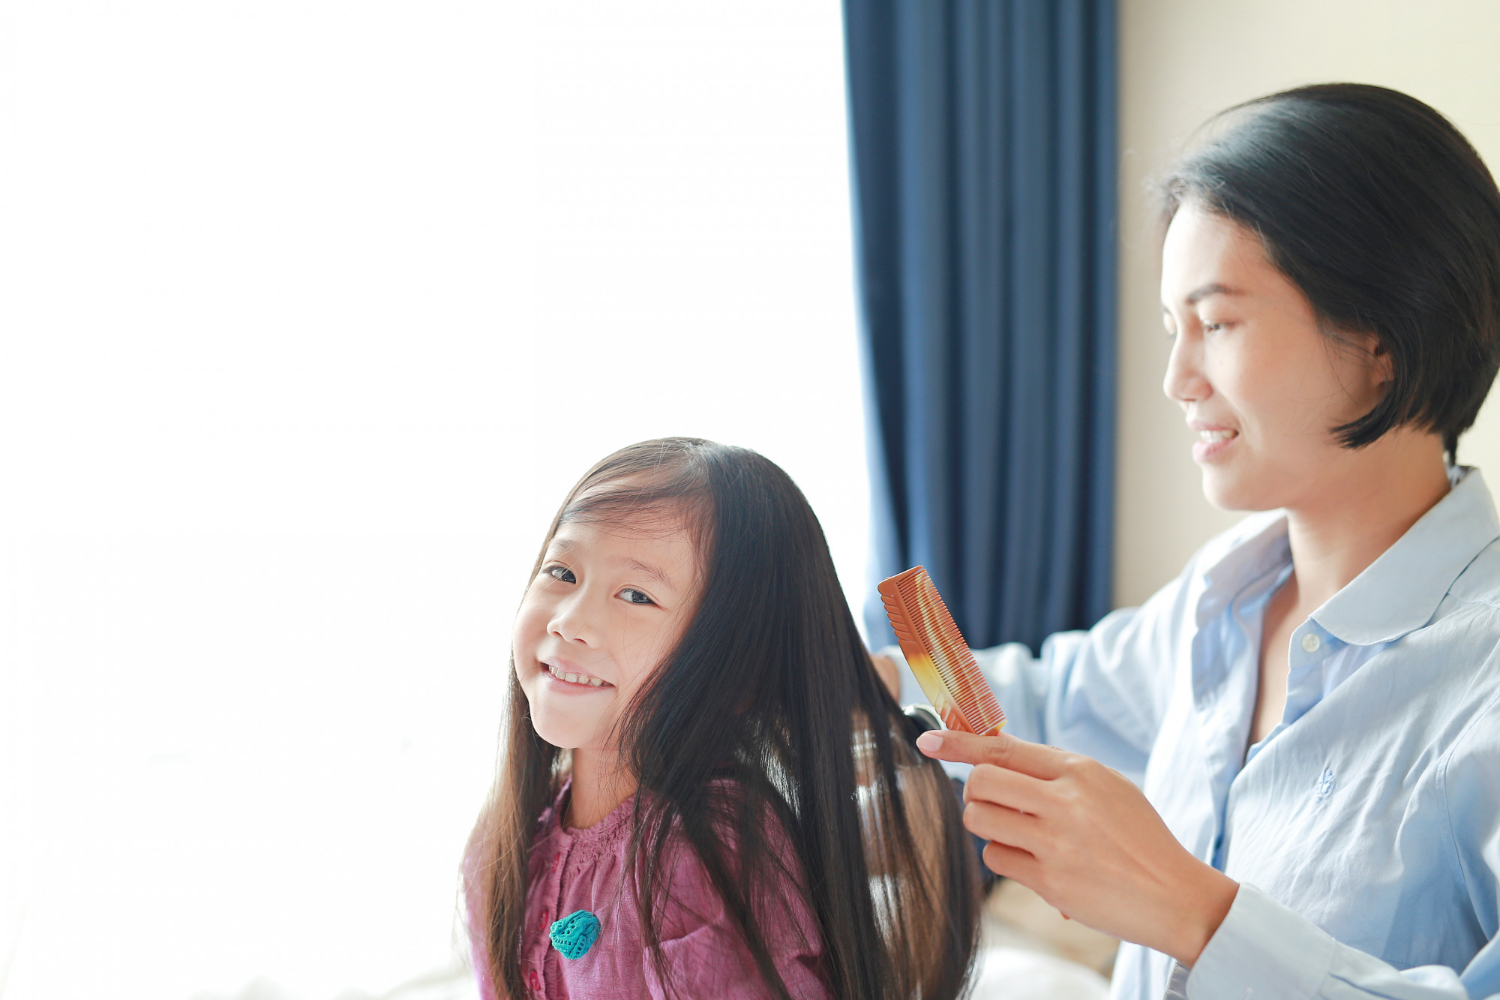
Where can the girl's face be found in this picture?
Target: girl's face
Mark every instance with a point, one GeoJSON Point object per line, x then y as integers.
{"type": "Point", "coordinates": [607, 606]}
{"type": "Point", "coordinates": [1254, 374]}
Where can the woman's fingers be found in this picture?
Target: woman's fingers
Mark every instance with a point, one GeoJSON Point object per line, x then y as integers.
{"type": "Point", "coordinates": [1001, 750]}
{"type": "Point", "coordinates": [988, 783]}
{"type": "Point", "coordinates": [1011, 862]}
{"type": "Point", "coordinates": [1003, 825]}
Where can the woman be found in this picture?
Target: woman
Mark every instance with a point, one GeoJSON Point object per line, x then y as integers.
{"type": "Point", "coordinates": [1310, 708]}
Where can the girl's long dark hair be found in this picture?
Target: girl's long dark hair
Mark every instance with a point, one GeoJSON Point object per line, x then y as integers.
{"type": "Point", "coordinates": [767, 711]}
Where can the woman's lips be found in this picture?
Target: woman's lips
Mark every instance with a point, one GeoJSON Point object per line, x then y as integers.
{"type": "Point", "coordinates": [1212, 441]}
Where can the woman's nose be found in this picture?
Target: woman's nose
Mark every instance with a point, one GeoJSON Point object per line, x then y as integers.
{"type": "Point", "coordinates": [1184, 381]}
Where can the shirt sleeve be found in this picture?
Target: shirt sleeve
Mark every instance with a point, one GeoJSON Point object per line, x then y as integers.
{"type": "Point", "coordinates": [1264, 950]}
{"type": "Point", "coordinates": [1100, 692]}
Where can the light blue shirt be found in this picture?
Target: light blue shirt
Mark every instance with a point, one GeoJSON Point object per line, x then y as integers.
{"type": "Point", "coordinates": [1365, 829]}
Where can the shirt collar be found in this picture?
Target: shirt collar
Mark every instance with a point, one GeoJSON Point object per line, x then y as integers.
{"type": "Point", "coordinates": [1401, 590]}
{"type": "Point", "coordinates": [1252, 549]}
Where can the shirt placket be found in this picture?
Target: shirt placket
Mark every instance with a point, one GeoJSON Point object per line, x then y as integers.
{"type": "Point", "coordinates": [556, 863]}
{"type": "Point", "coordinates": [1226, 671]}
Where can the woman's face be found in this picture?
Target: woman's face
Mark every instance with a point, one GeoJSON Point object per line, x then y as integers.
{"type": "Point", "coordinates": [606, 607]}
{"type": "Point", "coordinates": [1255, 376]}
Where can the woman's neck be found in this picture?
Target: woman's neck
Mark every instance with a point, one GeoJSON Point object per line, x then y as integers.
{"type": "Point", "coordinates": [599, 785]}
{"type": "Point", "coordinates": [1391, 484]}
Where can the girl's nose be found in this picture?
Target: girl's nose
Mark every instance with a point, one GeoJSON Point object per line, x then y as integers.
{"type": "Point", "coordinates": [573, 623]}
{"type": "Point", "coordinates": [1184, 381]}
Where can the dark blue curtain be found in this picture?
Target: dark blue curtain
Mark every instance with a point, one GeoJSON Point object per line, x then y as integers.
{"type": "Point", "coordinates": [983, 143]}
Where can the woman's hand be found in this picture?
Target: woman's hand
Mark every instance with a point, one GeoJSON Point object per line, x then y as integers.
{"type": "Point", "coordinates": [1087, 841]}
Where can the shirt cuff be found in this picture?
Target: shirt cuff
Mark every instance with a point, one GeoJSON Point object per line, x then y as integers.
{"type": "Point", "coordinates": [1262, 949]}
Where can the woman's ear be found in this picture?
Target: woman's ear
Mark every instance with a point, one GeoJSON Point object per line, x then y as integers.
{"type": "Point", "coordinates": [1380, 357]}
{"type": "Point", "coordinates": [1368, 361]}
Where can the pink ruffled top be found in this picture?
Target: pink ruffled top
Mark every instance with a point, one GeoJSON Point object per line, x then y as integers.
{"type": "Point", "coordinates": [574, 870]}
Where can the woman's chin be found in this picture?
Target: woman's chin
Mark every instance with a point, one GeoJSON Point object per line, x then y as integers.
{"type": "Point", "coordinates": [1226, 489]}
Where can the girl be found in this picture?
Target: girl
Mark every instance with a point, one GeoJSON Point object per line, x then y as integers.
{"type": "Point", "coordinates": [704, 789]}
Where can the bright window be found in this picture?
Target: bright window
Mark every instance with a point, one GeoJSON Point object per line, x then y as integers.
{"type": "Point", "coordinates": [310, 313]}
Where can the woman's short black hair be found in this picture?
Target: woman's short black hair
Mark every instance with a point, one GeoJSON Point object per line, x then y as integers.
{"type": "Point", "coordinates": [1386, 218]}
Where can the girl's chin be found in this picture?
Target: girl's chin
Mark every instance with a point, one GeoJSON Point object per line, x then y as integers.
{"type": "Point", "coordinates": [562, 736]}
{"type": "Point", "coordinates": [562, 721]}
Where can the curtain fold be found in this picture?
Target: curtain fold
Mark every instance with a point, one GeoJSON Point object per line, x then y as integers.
{"type": "Point", "coordinates": [983, 150]}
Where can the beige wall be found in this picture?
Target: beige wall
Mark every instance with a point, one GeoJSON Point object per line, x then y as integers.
{"type": "Point", "coordinates": [1182, 60]}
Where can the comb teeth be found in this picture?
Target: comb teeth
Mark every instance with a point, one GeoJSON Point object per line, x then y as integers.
{"type": "Point", "coordinates": [937, 654]}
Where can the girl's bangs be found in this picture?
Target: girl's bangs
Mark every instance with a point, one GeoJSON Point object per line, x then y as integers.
{"type": "Point", "coordinates": [655, 502]}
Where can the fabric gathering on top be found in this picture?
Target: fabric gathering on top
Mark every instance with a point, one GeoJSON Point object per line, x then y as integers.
{"type": "Point", "coordinates": [574, 870]}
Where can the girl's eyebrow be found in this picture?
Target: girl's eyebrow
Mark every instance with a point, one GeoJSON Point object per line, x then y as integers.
{"type": "Point", "coordinates": [656, 574]}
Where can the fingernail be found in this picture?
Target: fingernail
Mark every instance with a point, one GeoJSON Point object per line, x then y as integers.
{"type": "Point", "coordinates": [930, 742]}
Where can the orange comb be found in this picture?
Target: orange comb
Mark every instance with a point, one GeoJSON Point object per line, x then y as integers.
{"type": "Point", "coordinates": [938, 655]}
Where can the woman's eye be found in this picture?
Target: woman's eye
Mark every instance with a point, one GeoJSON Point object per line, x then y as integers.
{"type": "Point", "coordinates": [1212, 327]}
{"type": "Point", "coordinates": [561, 573]}
{"type": "Point", "coordinates": [635, 596]}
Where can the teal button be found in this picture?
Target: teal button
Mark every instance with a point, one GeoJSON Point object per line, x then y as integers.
{"type": "Point", "coordinates": [575, 934]}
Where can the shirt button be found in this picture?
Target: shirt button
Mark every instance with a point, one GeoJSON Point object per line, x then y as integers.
{"type": "Point", "coordinates": [535, 981]}
{"type": "Point", "coordinates": [546, 920]}
{"type": "Point", "coordinates": [1311, 642]}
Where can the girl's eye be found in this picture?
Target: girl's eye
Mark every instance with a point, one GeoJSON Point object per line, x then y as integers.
{"type": "Point", "coordinates": [561, 573]}
{"type": "Point", "coordinates": [1212, 327]}
{"type": "Point", "coordinates": [634, 596]}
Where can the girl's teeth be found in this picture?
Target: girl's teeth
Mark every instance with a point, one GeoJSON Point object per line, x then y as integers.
{"type": "Point", "coordinates": [1215, 435]}
{"type": "Point", "coordinates": [572, 678]}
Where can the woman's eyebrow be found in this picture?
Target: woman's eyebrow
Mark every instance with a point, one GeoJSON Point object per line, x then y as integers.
{"type": "Point", "coordinates": [1204, 291]}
